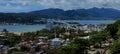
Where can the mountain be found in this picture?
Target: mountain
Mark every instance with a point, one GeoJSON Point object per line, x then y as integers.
{"type": "Point", "coordinates": [76, 14]}
{"type": "Point", "coordinates": [93, 13]}
{"type": "Point", "coordinates": [53, 13]}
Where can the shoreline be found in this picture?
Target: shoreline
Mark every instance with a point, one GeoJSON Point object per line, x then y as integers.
{"type": "Point", "coordinates": [23, 28]}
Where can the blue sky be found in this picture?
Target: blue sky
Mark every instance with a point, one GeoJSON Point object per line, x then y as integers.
{"type": "Point", "coordinates": [31, 5]}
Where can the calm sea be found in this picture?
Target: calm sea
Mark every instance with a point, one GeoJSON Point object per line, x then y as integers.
{"type": "Point", "coordinates": [30, 28]}
{"type": "Point", "coordinates": [92, 21]}
{"type": "Point", "coordinates": [22, 28]}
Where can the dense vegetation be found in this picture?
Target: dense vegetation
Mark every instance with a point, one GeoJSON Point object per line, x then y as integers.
{"type": "Point", "coordinates": [115, 48]}
{"type": "Point", "coordinates": [77, 46]}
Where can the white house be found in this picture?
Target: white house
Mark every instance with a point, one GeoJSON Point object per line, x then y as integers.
{"type": "Point", "coordinates": [56, 42]}
{"type": "Point", "coordinates": [85, 37]}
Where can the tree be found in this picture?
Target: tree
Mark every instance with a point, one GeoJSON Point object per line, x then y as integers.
{"type": "Point", "coordinates": [11, 51]}
{"type": "Point", "coordinates": [28, 36]}
{"type": "Point", "coordinates": [98, 38]}
{"type": "Point", "coordinates": [59, 29]}
{"type": "Point", "coordinates": [112, 28]}
{"type": "Point", "coordinates": [115, 48]}
{"type": "Point", "coordinates": [24, 48]}
{"type": "Point", "coordinates": [44, 31]}
{"type": "Point", "coordinates": [118, 33]}
{"type": "Point", "coordinates": [83, 45]}
{"type": "Point", "coordinates": [71, 49]}
{"type": "Point", "coordinates": [14, 40]}
{"type": "Point", "coordinates": [78, 46]}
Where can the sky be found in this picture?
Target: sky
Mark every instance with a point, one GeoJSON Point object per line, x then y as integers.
{"type": "Point", "coordinates": [31, 5]}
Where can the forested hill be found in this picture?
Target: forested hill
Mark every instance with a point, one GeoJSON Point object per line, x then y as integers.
{"type": "Point", "coordinates": [81, 14]}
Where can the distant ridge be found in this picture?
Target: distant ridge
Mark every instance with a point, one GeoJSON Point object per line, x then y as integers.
{"type": "Point", "coordinates": [92, 13]}
{"type": "Point", "coordinates": [54, 13]}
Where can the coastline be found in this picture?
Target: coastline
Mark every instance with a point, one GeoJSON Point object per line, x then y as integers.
{"type": "Point", "coordinates": [22, 28]}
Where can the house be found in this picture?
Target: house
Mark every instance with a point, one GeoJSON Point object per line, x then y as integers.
{"type": "Point", "coordinates": [85, 37]}
{"type": "Point", "coordinates": [56, 42]}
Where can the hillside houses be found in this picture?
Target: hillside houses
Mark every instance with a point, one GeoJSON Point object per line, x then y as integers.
{"type": "Point", "coordinates": [75, 25]}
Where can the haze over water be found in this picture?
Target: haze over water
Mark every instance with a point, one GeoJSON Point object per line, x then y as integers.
{"type": "Point", "coordinates": [30, 28]}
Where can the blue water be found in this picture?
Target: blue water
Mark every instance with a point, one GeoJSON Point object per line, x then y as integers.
{"type": "Point", "coordinates": [22, 28]}
{"type": "Point", "coordinates": [92, 21]}
{"type": "Point", "coordinates": [30, 28]}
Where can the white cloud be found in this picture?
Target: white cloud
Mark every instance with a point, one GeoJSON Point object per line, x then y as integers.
{"type": "Point", "coordinates": [63, 4]}
{"type": "Point", "coordinates": [73, 4]}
